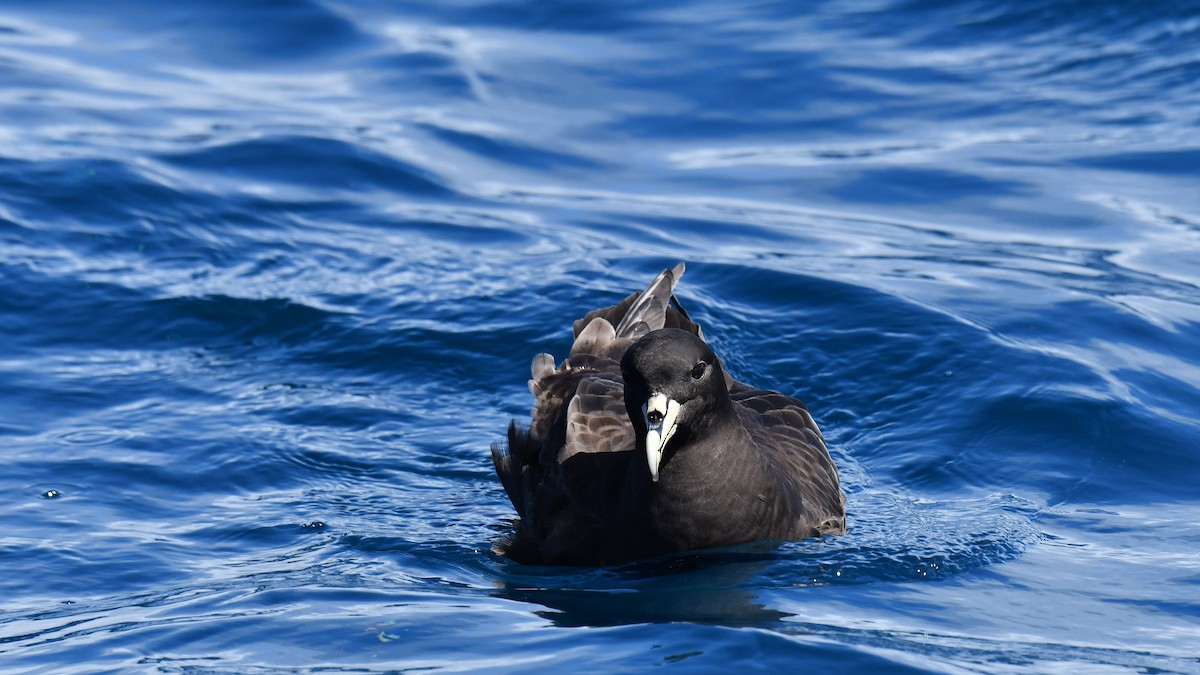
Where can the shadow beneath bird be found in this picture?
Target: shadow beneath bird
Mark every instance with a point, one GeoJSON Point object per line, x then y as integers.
{"type": "Point", "coordinates": [705, 587]}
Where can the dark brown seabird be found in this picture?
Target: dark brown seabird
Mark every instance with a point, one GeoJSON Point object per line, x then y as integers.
{"type": "Point", "coordinates": [640, 444]}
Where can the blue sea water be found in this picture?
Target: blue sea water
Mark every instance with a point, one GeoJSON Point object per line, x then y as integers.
{"type": "Point", "coordinates": [272, 273]}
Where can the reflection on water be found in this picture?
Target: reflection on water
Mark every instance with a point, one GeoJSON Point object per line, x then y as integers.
{"type": "Point", "coordinates": [273, 272]}
{"type": "Point", "coordinates": [709, 588]}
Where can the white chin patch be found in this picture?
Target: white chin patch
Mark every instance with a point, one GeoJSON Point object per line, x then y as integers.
{"type": "Point", "coordinates": [660, 413]}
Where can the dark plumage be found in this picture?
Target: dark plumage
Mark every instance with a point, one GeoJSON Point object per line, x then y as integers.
{"type": "Point", "coordinates": [640, 444]}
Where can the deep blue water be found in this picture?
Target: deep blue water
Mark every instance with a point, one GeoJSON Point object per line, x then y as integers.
{"type": "Point", "coordinates": [272, 273]}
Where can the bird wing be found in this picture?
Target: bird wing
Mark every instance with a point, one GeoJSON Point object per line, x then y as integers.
{"type": "Point", "coordinates": [647, 310]}
{"type": "Point", "coordinates": [791, 442]}
{"type": "Point", "coordinates": [596, 417]}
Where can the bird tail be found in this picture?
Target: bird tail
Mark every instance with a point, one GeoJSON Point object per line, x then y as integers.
{"type": "Point", "coordinates": [515, 461]}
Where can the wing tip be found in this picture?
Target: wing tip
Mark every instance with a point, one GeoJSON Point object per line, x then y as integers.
{"type": "Point", "coordinates": [594, 338]}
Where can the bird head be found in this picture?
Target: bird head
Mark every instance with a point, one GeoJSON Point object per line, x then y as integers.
{"type": "Point", "coordinates": [673, 385]}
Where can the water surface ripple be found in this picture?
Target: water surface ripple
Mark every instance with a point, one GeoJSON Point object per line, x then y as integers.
{"type": "Point", "coordinates": [273, 274]}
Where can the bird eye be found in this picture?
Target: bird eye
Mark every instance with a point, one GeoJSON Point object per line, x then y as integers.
{"type": "Point", "coordinates": [698, 370]}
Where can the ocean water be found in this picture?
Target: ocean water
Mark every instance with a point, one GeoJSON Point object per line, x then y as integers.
{"type": "Point", "coordinates": [272, 273]}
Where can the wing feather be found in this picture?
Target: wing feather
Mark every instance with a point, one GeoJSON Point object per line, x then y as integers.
{"type": "Point", "coordinates": [596, 418]}
{"type": "Point", "coordinates": [789, 439]}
